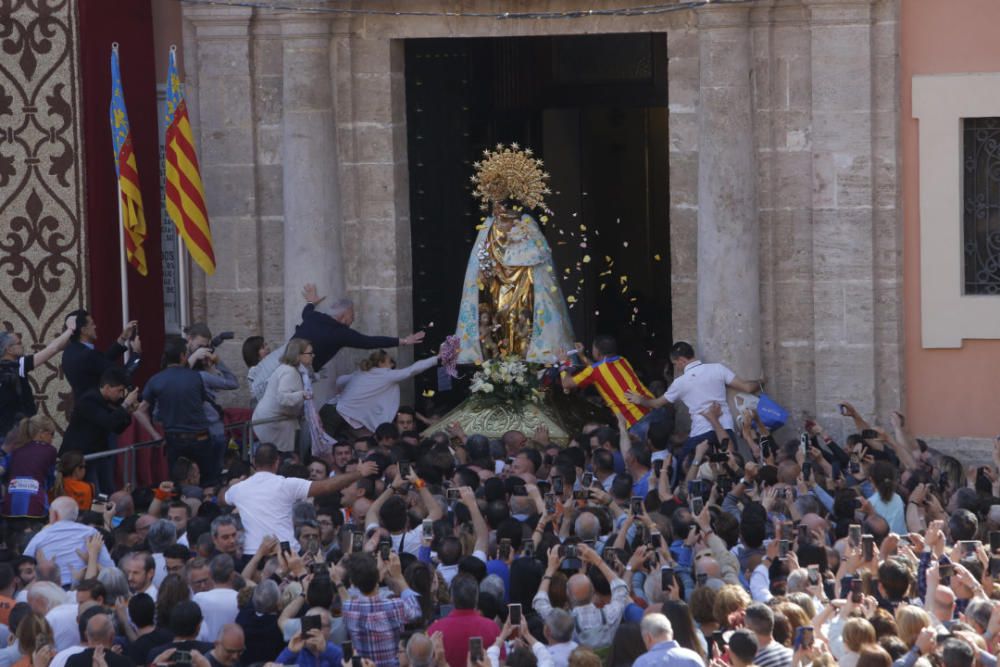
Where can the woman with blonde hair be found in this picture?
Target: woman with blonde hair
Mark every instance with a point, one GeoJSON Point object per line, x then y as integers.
{"type": "Point", "coordinates": [34, 634]}
{"type": "Point", "coordinates": [285, 396]}
{"type": "Point", "coordinates": [910, 620]}
{"type": "Point", "coordinates": [858, 634]}
{"type": "Point", "coordinates": [730, 602]}
{"type": "Point", "coordinates": [370, 396]}
{"type": "Point", "coordinates": [30, 469]}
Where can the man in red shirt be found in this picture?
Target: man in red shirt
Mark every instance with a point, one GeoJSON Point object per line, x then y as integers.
{"type": "Point", "coordinates": [463, 622]}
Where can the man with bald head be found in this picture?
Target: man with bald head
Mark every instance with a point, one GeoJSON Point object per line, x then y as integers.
{"type": "Point", "coordinates": [592, 626]}
{"type": "Point", "coordinates": [229, 647]}
{"type": "Point", "coordinates": [420, 651]}
{"type": "Point", "coordinates": [587, 527]}
{"type": "Point", "coordinates": [62, 539]}
{"type": "Point", "coordinates": [100, 637]}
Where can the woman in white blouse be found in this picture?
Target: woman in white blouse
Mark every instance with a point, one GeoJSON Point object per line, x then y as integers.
{"type": "Point", "coordinates": [284, 397]}
{"type": "Point", "coordinates": [370, 396]}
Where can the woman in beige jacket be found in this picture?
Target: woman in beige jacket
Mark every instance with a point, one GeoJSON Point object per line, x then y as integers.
{"type": "Point", "coordinates": [284, 397]}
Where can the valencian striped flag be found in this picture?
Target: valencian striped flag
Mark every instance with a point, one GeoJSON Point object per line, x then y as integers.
{"type": "Point", "coordinates": [184, 192]}
{"type": "Point", "coordinates": [130, 203]}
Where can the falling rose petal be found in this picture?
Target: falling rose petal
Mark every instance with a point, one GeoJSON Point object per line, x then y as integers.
{"type": "Point", "coordinates": [544, 218]}
{"type": "Point", "coordinates": [574, 215]}
{"type": "Point", "coordinates": [571, 299]}
{"type": "Point", "coordinates": [583, 245]}
{"type": "Point", "coordinates": [478, 227]}
{"type": "Point", "coordinates": [625, 243]}
{"type": "Point", "coordinates": [586, 259]}
{"type": "Point", "coordinates": [607, 259]}
{"type": "Point", "coordinates": [553, 288]}
{"type": "Point", "coordinates": [656, 257]}
{"type": "Point", "coordinates": [428, 393]}
{"type": "Point", "coordinates": [583, 228]}
{"type": "Point", "coordinates": [603, 285]}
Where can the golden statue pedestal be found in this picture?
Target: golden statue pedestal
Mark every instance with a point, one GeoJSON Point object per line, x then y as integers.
{"type": "Point", "coordinates": [563, 414]}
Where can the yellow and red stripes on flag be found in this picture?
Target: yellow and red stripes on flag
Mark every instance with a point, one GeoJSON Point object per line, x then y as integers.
{"type": "Point", "coordinates": [130, 203]}
{"type": "Point", "coordinates": [613, 377]}
{"type": "Point", "coordinates": [185, 195]}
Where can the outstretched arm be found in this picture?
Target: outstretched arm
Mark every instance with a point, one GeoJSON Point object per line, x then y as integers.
{"type": "Point", "coordinates": [747, 386]}
{"type": "Point", "coordinates": [478, 523]}
{"type": "Point", "coordinates": [333, 484]}
{"type": "Point", "coordinates": [56, 346]}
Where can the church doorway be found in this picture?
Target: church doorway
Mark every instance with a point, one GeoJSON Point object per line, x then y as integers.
{"type": "Point", "coordinates": [594, 108]}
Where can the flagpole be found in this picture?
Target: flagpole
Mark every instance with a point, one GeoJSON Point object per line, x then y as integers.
{"type": "Point", "coordinates": [124, 263]}
{"type": "Point", "coordinates": [182, 280]}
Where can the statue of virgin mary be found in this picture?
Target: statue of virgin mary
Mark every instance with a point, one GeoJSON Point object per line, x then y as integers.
{"type": "Point", "coordinates": [511, 302]}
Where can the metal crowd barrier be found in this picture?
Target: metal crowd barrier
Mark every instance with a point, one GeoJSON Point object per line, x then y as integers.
{"type": "Point", "coordinates": [129, 453]}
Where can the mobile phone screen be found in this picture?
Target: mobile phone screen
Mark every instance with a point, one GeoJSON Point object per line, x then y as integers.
{"type": "Point", "coordinates": [514, 614]}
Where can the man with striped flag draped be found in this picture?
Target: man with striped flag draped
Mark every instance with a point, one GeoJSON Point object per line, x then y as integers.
{"type": "Point", "coordinates": [130, 203]}
{"type": "Point", "coordinates": [184, 192]}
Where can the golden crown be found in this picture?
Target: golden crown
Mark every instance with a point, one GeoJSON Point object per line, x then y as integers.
{"type": "Point", "coordinates": [510, 173]}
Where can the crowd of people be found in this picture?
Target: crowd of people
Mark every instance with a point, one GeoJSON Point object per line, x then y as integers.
{"type": "Point", "coordinates": [390, 541]}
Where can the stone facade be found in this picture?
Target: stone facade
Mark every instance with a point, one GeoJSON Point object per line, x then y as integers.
{"type": "Point", "coordinates": [784, 217]}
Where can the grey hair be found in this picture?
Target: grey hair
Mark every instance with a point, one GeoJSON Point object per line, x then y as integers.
{"type": "Point", "coordinates": [6, 340]}
{"type": "Point", "coordinates": [265, 597]}
{"type": "Point", "coordinates": [115, 584]}
{"type": "Point", "coordinates": [161, 535]}
{"type": "Point", "coordinates": [561, 625]}
{"type": "Point", "coordinates": [341, 306]}
{"type": "Point", "coordinates": [979, 611]}
{"type": "Point", "coordinates": [66, 508]}
{"type": "Point", "coordinates": [222, 568]}
{"type": "Point", "coordinates": [224, 520]}
{"type": "Point", "coordinates": [303, 511]}
{"type": "Point", "coordinates": [493, 585]}
{"type": "Point", "coordinates": [653, 588]}
{"type": "Point", "coordinates": [656, 626]}
{"type": "Point", "coordinates": [53, 594]}
{"type": "Point", "coordinates": [798, 580]}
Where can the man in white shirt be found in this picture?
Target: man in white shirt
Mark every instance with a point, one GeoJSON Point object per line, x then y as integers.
{"type": "Point", "coordinates": [265, 500]}
{"type": "Point", "coordinates": [218, 606]}
{"type": "Point", "coordinates": [139, 568]}
{"type": "Point", "coordinates": [698, 385]}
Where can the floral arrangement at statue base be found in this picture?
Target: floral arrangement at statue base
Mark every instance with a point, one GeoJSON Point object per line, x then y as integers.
{"type": "Point", "coordinates": [510, 395]}
{"type": "Point", "coordinates": [510, 379]}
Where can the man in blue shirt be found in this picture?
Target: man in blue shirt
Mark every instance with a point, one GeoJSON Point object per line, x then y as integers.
{"type": "Point", "coordinates": [661, 649]}
{"type": "Point", "coordinates": [62, 539]}
{"type": "Point", "coordinates": [176, 395]}
{"type": "Point", "coordinates": [313, 648]}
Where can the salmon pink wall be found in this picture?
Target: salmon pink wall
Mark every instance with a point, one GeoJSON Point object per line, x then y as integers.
{"type": "Point", "coordinates": [951, 392]}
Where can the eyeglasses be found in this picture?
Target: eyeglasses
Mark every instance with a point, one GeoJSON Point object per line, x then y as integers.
{"type": "Point", "coordinates": [310, 353]}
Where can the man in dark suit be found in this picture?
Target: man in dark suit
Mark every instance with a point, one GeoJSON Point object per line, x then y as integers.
{"type": "Point", "coordinates": [100, 635]}
{"type": "Point", "coordinates": [97, 414]}
{"type": "Point", "coordinates": [82, 363]}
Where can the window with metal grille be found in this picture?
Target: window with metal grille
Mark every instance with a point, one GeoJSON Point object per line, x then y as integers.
{"type": "Point", "coordinates": [981, 205]}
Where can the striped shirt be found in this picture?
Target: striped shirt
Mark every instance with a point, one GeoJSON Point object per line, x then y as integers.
{"type": "Point", "coordinates": [613, 376]}
{"type": "Point", "coordinates": [774, 655]}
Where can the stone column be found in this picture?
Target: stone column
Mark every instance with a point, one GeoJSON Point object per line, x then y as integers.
{"type": "Point", "coordinates": [842, 207]}
{"type": "Point", "coordinates": [728, 236]}
{"type": "Point", "coordinates": [309, 158]}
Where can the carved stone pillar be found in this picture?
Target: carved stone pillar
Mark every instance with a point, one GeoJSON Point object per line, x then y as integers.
{"type": "Point", "coordinates": [728, 237]}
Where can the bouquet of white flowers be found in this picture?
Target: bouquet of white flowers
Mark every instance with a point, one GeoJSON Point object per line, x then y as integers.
{"type": "Point", "coordinates": [509, 378]}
